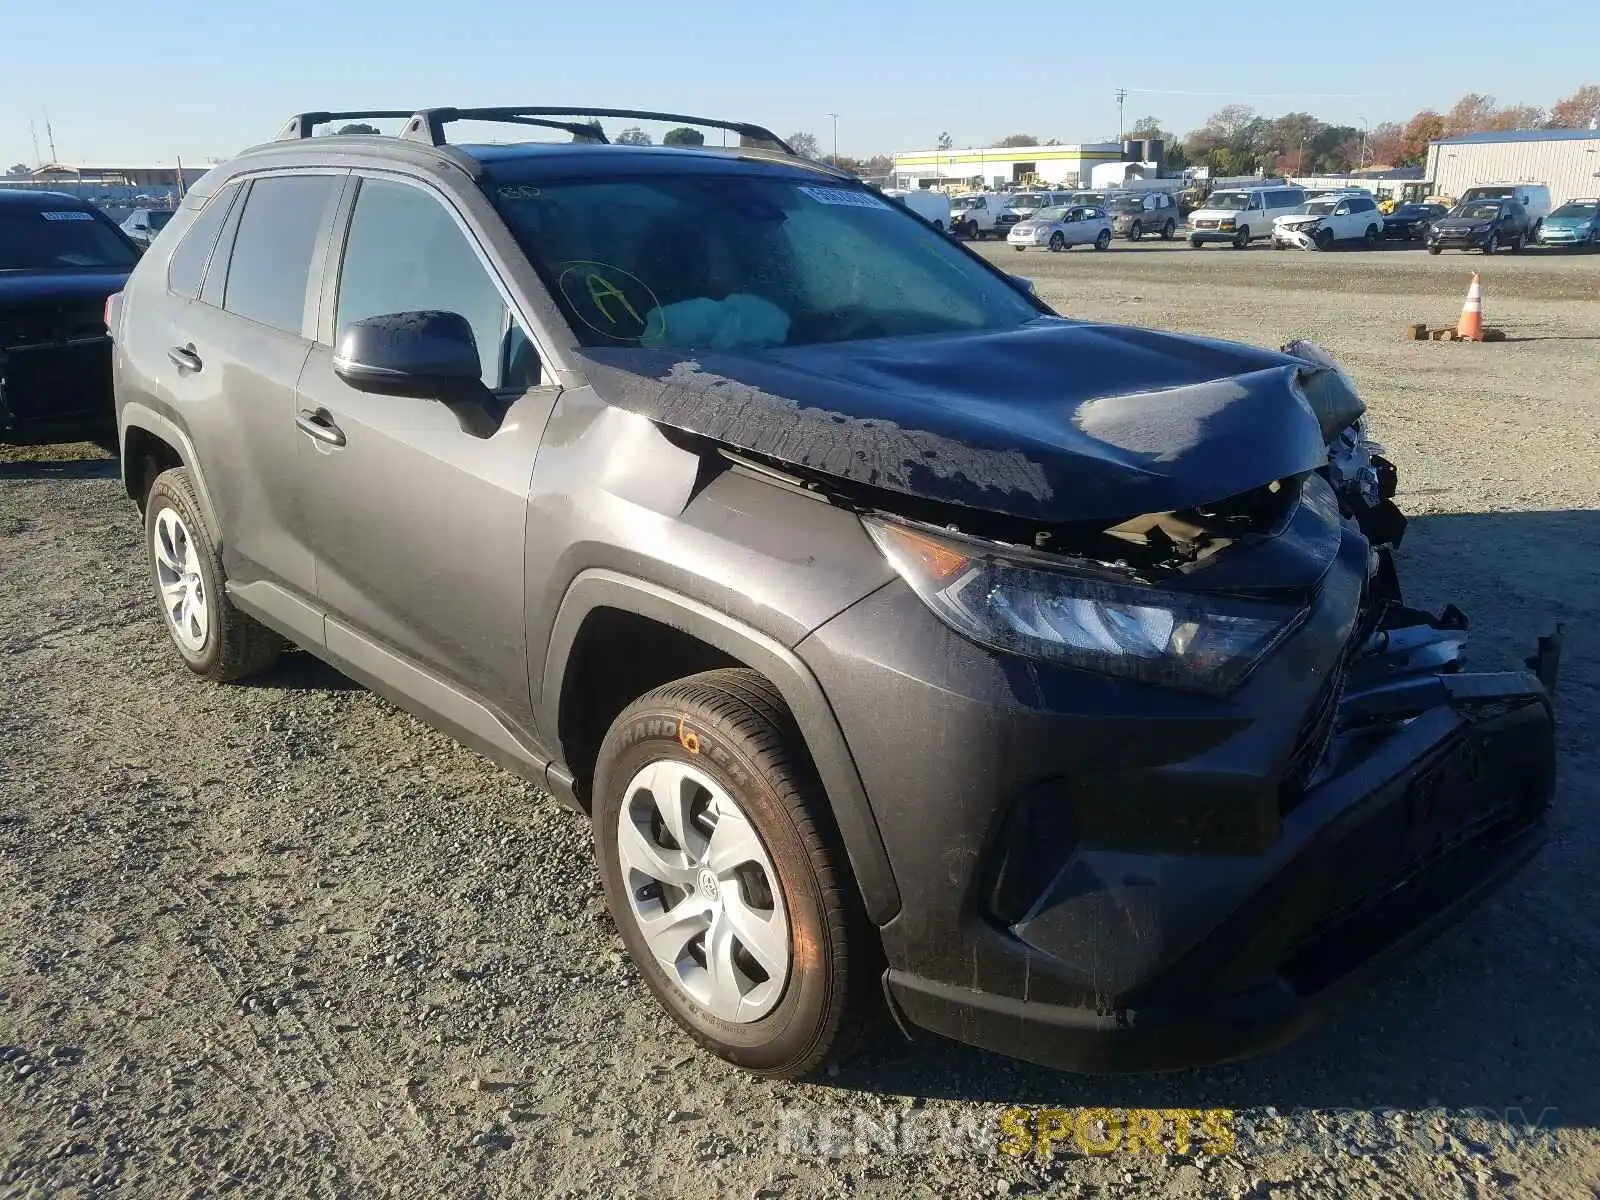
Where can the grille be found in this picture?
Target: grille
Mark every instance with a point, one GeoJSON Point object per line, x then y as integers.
{"type": "Point", "coordinates": [51, 324]}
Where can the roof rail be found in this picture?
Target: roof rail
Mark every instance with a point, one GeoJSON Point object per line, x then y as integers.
{"type": "Point", "coordinates": [428, 124]}
{"type": "Point", "coordinates": [301, 124]}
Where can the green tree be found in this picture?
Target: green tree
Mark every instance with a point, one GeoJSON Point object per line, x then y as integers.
{"type": "Point", "coordinates": [633, 136]}
{"type": "Point", "coordinates": [16, 170]}
{"type": "Point", "coordinates": [684, 136]}
{"type": "Point", "coordinates": [1018, 139]}
{"type": "Point", "coordinates": [945, 142]}
{"type": "Point", "coordinates": [358, 127]}
{"type": "Point", "coordinates": [599, 134]}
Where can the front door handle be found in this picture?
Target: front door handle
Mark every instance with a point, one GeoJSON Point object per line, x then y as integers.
{"type": "Point", "coordinates": [318, 422]}
{"type": "Point", "coordinates": [184, 357]}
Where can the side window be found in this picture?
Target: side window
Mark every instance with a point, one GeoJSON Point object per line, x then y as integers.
{"type": "Point", "coordinates": [272, 251]}
{"type": "Point", "coordinates": [405, 253]}
{"type": "Point", "coordinates": [187, 267]}
{"type": "Point", "coordinates": [1256, 199]}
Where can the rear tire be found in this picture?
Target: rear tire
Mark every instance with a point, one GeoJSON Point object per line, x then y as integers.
{"type": "Point", "coordinates": [1371, 238]}
{"type": "Point", "coordinates": [729, 729]}
{"type": "Point", "coordinates": [1434, 249]}
{"type": "Point", "coordinates": [213, 638]}
{"type": "Point", "coordinates": [1103, 241]}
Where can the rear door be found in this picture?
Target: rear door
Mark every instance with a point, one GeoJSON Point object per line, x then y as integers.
{"type": "Point", "coordinates": [418, 525]}
{"type": "Point", "coordinates": [233, 358]}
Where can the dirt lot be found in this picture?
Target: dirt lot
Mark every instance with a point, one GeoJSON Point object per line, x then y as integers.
{"type": "Point", "coordinates": [283, 940]}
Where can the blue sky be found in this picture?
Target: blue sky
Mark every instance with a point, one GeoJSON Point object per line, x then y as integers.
{"type": "Point", "coordinates": [133, 83]}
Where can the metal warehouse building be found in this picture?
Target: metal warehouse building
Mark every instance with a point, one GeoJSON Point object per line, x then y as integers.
{"type": "Point", "coordinates": [1567, 161]}
{"type": "Point", "coordinates": [997, 166]}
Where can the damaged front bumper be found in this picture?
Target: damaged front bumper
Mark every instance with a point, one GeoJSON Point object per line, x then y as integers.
{"type": "Point", "coordinates": [1294, 235]}
{"type": "Point", "coordinates": [1113, 882]}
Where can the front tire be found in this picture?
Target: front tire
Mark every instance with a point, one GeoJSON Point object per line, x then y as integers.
{"type": "Point", "coordinates": [1136, 232]}
{"type": "Point", "coordinates": [1167, 230]}
{"type": "Point", "coordinates": [1324, 239]}
{"type": "Point", "coordinates": [1241, 240]}
{"type": "Point", "coordinates": [1057, 242]}
{"type": "Point", "coordinates": [1195, 243]}
{"type": "Point", "coordinates": [1493, 244]}
{"type": "Point", "coordinates": [1434, 249]}
{"type": "Point", "coordinates": [727, 882]}
{"type": "Point", "coordinates": [213, 638]}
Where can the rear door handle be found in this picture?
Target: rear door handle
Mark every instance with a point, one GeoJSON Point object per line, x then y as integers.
{"type": "Point", "coordinates": [184, 357]}
{"type": "Point", "coordinates": [318, 423]}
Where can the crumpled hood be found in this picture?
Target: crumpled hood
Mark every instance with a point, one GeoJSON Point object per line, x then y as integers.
{"type": "Point", "coordinates": [36, 287]}
{"type": "Point", "coordinates": [1055, 422]}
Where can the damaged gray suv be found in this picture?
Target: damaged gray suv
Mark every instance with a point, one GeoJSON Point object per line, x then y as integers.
{"type": "Point", "coordinates": [1045, 681]}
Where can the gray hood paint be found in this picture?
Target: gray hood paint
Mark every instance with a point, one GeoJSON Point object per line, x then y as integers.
{"type": "Point", "coordinates": [1059, 421]}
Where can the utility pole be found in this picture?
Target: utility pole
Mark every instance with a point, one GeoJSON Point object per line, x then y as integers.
{"type": "Point", "coordinates": [49, 135]}
{"type": "Point", "coordinates": [33, 132]}
{"type": "Point", "coordinates": [1363, 156]}
{"type": "Point", "coordinates": [1122, 94]}
{"type": "Point", "coordinates": [835, 118]}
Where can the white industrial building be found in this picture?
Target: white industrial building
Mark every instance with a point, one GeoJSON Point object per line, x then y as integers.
{"type": "Point", "coordinates": [1001, 166]}
{"type": "Point", "coordinates": [1567, 161]}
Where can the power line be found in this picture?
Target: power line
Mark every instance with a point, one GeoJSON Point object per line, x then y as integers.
{"type": "Point", "coordinates": [1248, 95]}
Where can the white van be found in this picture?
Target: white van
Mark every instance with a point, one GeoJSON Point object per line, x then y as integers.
{"type": "Point", "coordinates": [1534, 197]}
{"type": "Point", "coordinates": [932, 207]}
{"type": "Point", "coordinates": [1241, 215]}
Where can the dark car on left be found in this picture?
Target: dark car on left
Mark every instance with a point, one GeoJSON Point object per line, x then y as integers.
{"type": "Point", "coordinates": [60, 259]}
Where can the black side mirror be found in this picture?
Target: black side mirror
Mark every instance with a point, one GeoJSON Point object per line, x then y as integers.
{"type": "Point", "coordinates": [431, 355]}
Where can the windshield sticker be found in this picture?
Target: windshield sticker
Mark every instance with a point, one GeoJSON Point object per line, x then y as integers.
{"type": "Point", "coordinates": [518, 191]}
{"type": "Point", "coordinates": [846, 197]}
{"type": "Point", "coordinates": [609, 300]}
{"type": "Point", "coordinates": [67, 215]}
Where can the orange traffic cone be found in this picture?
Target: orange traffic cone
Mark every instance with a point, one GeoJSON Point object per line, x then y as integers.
{"type": "Point", "coordinates": [1470, 327]}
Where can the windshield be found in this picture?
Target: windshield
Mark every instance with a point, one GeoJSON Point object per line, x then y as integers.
{"type": "Point", "coordinates": [1490, 193]}
{"type": "Point", "coordinates": [1315, 208]}
{"type": "Point", "coordinates": [1026, 200]}
{"type": "Point", "coordinates": [158, 220]}
{"type": "Point", "coordinates": [1578, 210]}
{"type": "Point", "coordinates": [1128, 204]}
{"type": "Point", "coordinates": [736, 262]}
{"type": "Point", "coordinates": [1047, 215]}
{"type": "Point", "coordinates": [1478, 210]}
{"type": "Point", "coordinates": [965, 202]}
{"type": "Point", "coordinates": [1230, 201]}
{"type": "Point", "coordinates": [63, 239]}
{"type": "Point", "coordinates": [1411, 210]}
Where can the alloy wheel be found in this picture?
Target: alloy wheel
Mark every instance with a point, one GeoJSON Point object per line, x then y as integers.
{"type": "Point", "coordinates": [703, 891]}
{"type": "Point", "coordinates": [182, 587]}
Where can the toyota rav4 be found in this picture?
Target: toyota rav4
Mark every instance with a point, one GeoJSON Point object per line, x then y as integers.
{"type": "Point", "coordinates": [906, 642]}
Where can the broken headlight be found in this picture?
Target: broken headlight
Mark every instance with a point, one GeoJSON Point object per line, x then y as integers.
{"type": "Point", "coordinates": [1023, 604]}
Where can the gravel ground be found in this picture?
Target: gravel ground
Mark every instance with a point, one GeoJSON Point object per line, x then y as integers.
{"type": "Point", "coordinates": [283, 940]}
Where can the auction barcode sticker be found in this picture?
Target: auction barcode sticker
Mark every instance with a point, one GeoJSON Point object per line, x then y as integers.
{"type": "Point", "coordinates": [847, 197]}
{"type": "Point", "coordinates": [67, 216]}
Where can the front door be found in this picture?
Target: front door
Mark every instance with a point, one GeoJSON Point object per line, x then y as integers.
{"type": "Point", "coordinates": [419, 522]}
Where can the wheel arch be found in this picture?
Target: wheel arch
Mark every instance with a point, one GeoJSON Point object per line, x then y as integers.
{"type": "Point", "coordinates": [596, 599]}
{"type": "Point", "coordinates": [145, 436]}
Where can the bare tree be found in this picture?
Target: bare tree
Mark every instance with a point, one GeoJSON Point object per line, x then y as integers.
{"type": "Point", "coordinates": [1470, 114]}
{"type": "Point", "coordinates": [1384, 145]}
{"type": "Point", "coordinates": [805, 144]}
{"type": "Point", "coordinates": [1517, 116]}
{"type": "Point", "coordinates": [633, 136]}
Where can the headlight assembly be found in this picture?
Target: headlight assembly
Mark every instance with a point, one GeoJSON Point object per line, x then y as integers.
{"type": "Point", "coordinates": [1021, 604]}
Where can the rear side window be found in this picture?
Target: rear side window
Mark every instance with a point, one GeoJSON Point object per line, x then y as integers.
{"type": "Point", "coordinates": [187, 267]}
{"type": "Point", "coordinates": [272, 251]}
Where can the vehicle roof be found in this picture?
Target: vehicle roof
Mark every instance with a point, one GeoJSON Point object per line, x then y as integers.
{"type": "Point", "coordinates": [34, 198]}
{"type": "Point", "coordinates": [533, 160]}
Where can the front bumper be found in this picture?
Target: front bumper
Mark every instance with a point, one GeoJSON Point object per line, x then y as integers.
{"type": "Point", "coordinates": [1294, 235]}
{"type": "Point", "coordinates": [1106, 877]}
{"type": "Point", "coordinates": [1451, 240]}
{"type": "Point", "coordinates": [1197, 234]}
{"type": "Point", "coordinates": [1028, 238]}
{"type": "Point", "coordinates": [1565, 237]}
